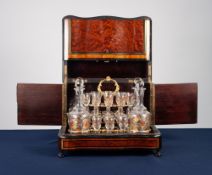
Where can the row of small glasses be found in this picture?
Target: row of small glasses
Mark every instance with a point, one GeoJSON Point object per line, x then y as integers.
{"type": "Point", "coordinates": [108, 117]}
{"type": "Point", "coordinates": [121, 99]}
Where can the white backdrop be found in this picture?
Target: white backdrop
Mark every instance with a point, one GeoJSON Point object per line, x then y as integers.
{"type": "Point", "coordinates": [31, 45]}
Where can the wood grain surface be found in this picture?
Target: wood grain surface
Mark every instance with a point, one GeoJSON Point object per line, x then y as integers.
{"type": "Point", "coordinates": [110, 143]}
{"type": "Point", "coordinates": [39, 104]}
{"type": "Point", "coordinates": [107, 35]}
{"type": "Point", "coordinates": [107, 38]}
{"type": "Point", "coordinates": [176, 103]}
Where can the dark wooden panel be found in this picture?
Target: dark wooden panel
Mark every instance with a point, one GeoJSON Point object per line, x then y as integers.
{"type": "Point", "coordinates": [101, 69]}
{"type": "Point", "coordinates": [176, 103]}
{"type": "Point", "coordinates": [39, 104]}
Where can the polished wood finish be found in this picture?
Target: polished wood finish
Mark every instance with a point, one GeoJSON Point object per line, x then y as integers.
{"type": "Point", "coordinates": [106, 37]}
{"type": "Point", "coordinates": [110, 143]}
{"type": "Point", "coordinates": [151, 141]}
{"type": "Point", "coordinates": [176, 103]}
{"type": "Point", "coordinates": [105, 56]}
{"type": "Point", "coordinates": [39, 104]}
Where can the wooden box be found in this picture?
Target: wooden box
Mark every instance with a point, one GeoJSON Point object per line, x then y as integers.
{"type": "Point", "coordinates": [99, 47]}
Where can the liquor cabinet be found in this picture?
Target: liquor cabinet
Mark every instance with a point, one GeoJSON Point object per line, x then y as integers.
{"type": "Point", "coordinates": [107, 55]}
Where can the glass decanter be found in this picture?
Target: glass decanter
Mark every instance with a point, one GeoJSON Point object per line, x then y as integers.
{"type": "Point", "coordinates": [139, 116]}
{"type": "Point", "coordinates": [78, 116]}
{"type": "Point", "coordinates": [135, 113]}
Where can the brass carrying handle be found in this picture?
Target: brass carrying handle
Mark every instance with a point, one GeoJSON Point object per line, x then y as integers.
{"type": "Point", "coordinates": [107, 79]}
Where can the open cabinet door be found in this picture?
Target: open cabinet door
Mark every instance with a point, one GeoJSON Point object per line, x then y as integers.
{"type": "Point", "coordinates": [39, 104]}
{"type": "Point", "coordinates": [175, 103]}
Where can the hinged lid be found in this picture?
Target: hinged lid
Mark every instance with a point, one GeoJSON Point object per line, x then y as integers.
{"type": "Point", "coordinates": [107, 37]}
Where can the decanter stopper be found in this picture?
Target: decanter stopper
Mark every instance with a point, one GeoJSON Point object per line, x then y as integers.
{"type": "Point", "coordinates": [79, 91]}
{"type": "Point", "coordinates": [138, 85]}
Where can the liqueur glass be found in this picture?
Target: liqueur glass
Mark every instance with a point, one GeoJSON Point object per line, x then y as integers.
{"type": "Point", "coordinates": [95, 101]}
{"type": "Point", "coordinates": [108, 100]}
{"type": "Point", "coordinates": [108, 115]}
{"type": "Point", "coordinates": [121, 117]}
{"type": "Point", "coordinates": [96, 122]}
{"type": "Point", "coordinates": [86, 100]}
{"type": "Point", "coordinates": [130, 101]}
{"type": "Point", "coordinates": [96, 118]}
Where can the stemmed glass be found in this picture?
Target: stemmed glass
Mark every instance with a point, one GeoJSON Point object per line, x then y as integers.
{"type": "Point", "coordinates": [96, 118]}
{"type": "Point", "coordinates": [85, 116]}
{"type": "Point", "coordinates": [108, 116]}
{"type": "Point", "coordinates": [121, 117]}
{"type": "Point", "coordinates": [130, 101]}
{"type": "Point", "coordinates": [86, 99]}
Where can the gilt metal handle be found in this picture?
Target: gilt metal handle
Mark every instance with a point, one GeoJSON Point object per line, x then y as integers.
{"type": "Point", "coordinates": [108, 79]}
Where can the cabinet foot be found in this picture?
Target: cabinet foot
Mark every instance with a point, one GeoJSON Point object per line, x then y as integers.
{"type": "Point", "coordinates": [60, 154]}
{"type": "Point", "coordinates": [157, 153]}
